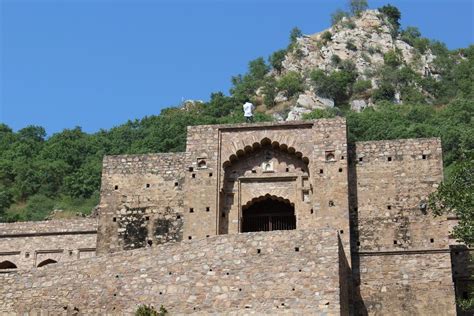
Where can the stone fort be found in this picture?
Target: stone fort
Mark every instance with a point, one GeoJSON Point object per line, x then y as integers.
{"type": "Point", "coordinates": [264, 218]}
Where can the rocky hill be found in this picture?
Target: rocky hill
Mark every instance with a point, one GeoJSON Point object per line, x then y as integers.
{"type": "Point", "coordinates": [369, 49]}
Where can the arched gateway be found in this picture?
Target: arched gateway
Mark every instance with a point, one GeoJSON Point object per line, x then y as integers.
{"type": "Point", "coordinates": [267, 213]}
{"type": "Point", "coordinates": [259, 183]}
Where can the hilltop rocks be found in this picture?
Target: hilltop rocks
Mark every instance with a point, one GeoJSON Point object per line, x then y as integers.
{"type": "Point", "coordinates": [358, 105]}
{"type": "Point", "coordinates": [297, 113]}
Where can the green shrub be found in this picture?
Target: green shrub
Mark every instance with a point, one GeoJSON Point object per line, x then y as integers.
{"type": "Point", "coordinates": [350, 45]}
{"type": "Point", "coordinates": [276, 59]}
{"type": "Point", "coordinates": [148, 310]}
{"type": "Point", "coordinates": [327, 36]}
{"type": "Point", "coordinates": [393, 15]}
{"type": "Point", "coordinates": [335, 86]}
{"type": "Point", "coordinates": [270, 92]}
{"type": "Point", "coordinates": [335, 60]}
{"type": "Point", "coordinates": [291, 83]}
{"type": "Point", "coordinates": [385, 92]}
{"type": "Point", "coordinates": [392, 59]}
{"type": "Point", "coordinates": [361, 86]}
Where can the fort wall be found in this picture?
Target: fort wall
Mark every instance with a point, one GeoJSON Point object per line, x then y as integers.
{"type": "Point", "coordinates": [141, 201]}
{"type": "Point", "coordinates": [29, 244]}
{"type": "Point", "coordinates": [273, 272]}
{"type": "Point", "coordinates": [400, 250]}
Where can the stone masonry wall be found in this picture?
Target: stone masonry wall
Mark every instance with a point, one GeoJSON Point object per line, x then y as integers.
{"type": "Point", "coordinates": [141, 201]}
{"type": "Point", "coordinates": [400, 250]}
{"type": "Point", "coordinates": [274, 272]}
{"type": "Point", "coordinates": [28, 244]}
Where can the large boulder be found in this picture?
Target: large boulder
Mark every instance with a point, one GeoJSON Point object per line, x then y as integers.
{"type": "Point", "coordinates": [296, 113]}
{"type": "Point", "coordinates": [311, 101]}
{"type": "Point", "coordinates": [358, 105]}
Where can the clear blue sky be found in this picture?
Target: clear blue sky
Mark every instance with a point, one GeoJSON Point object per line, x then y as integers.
{"type": "Point", "coordinates": [98, 63]}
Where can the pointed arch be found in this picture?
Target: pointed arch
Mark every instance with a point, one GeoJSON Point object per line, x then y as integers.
{"type": "Point", "coordinates": [7, 265]}
{"type": "Point", "coordinates": [46, 262]}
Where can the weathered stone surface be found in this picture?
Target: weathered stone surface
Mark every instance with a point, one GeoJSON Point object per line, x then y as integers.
{"type": "Point", "coordinates": [172, 206]}
{"type": "Point", "coordinates": [296, 113]}
{"type": "Point", "coordinates": [358, 105]}
{"type": "Point", "coordinates": [311, 101]}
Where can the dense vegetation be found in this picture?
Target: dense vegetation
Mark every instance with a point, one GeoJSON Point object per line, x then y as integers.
{"type": "Point", "coordinates": [40, 173]}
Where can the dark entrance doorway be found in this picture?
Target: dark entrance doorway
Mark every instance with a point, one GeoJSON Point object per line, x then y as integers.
{"type": "Point", "coordinates": [268, 214]}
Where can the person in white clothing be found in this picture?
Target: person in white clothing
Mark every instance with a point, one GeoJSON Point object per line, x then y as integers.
{"type": "Point", "coordinates": [248, 111]}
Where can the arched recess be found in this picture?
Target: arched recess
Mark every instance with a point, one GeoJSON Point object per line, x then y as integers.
{"type": "Point", "coordinates": [7, 265]}
{"type": "Point", "coordinates": [264, 143]}
{"type": "Point", "coordinates": [268, 213]}
{"type": "Point", "coordinates": [46, 262]}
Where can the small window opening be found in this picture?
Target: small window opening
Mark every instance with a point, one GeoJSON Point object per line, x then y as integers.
{"type": "Point", "coordinates": [207, 236]}
{"type": "Point", "coordinates": [361, 159]}
{"type": "Point", "coordinates": [259, 250]}
{"type": "Point", "coordinates": [191, 169]}
{"type": "Point", "coordinates": [27, 255]}
{"type": "Point", "coordinates": [223, 215]}
{"type": "Point", "coordinates": [342, 157]}
{"type": "Point", "coordinates": [114, 219]}
{"type": "Point", "coordinates": [176, 184]}
{"type": "Point", "coordinates": [208, 209]}
{"type": "Point", "coordinates": [202, 163]}
{"type": "Point", "coordinates": [311, 211]}
{"type": "Point", "coordinates": [389, 158]}
{"type": "Point", "coordinates": [340, 169]}
{"type": "Point", "coordinates": [147, 185]}
{"type": "Point", "coordinates": [424, 157]}
{"type": "Point", "coordinates": [191, 210]}
{"type": "Point", "coordinates": [432, 240]}
{"type": "Point", "coordinates": [330, 156]}
{"type": "Point", "coordinates": [297, 249]}
{"type": "Point", "coordinates": [341, 231]}
{"type": "Point", "coordinates": [190, 237]}
{"type": "Point", "coordinates": [116, 187]}
{"type": "Point", "coordinates": [193, 175]}
{"type": "Point", "coordinates": [178, 216]}
{"type": "Point", "coordinates": [147, 218]}
{"type": "Point", "coordinates": [210, 174]}
{"type": "Point", "coordinates": [70, 252]}
{"type": "Point", "coordinates": [150, 242]}
{"type": "Point", "coordinates": [287, 169]}
{"type": "Point", "coordinates": [254, 171]}
{"type": "Point", "coordinates": [395, 242]}
{"type": "Point", "coordinates": [321, 171]}
{"type": "Point", "coordinates": [331, 203]}
{"type": "Point", "coordinates": [389, 207]}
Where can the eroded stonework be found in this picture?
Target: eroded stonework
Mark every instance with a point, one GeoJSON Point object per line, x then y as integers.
{"type": "Point", "coordinates": [354, 235]}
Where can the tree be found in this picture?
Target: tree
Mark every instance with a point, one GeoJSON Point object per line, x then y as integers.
{"type": "Point", "coordinates": [337, 16]}
{"type": "Point", "coordinates": [291, 83]}
{"type": "Point", "coordinates": [393, 15]}
{"type": "Point", "coordinates": [294, 34]}
{"type": "Point", "coordinates": [357, 6]}
{"type": "Point", "coordinates": [456, 195]}
{"type": "Point", "coordinates": [276, 59]}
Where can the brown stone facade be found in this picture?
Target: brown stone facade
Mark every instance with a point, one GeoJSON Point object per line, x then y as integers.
{"type": "Point", "coordinates": [347, 229]}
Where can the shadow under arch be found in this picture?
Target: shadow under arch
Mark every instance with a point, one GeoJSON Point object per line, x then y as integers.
{"type": "Point", "coordinates": [7, 265]}
{"type": "Point", "coordinates": [268, 213]}
{"type": "Point", "coordinates": [46, 262]}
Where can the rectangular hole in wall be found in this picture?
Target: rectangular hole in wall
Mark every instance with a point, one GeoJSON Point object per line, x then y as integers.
{"type": "Point", "coordinates": [223, 215]}
{"type": "Point", "coordinates": [190, 237]}
{"type": "Point", "coordinates": [287, 169]}
{"type": "Point", "coordinates": [116, 187]}
{"type": "Point", "coordinates": [176, 184]}
{"type": "Point", "coordinates": [389, 158]}
{"type": "Point", "coordinates": [254, 171]}
{"type": "Point", "coordinates": [259, 251]}
{"type": "Point", "coordinates": [297, 249]}
{"type": "Point", "coordinates": [147, 185]}
{"type": "Point", "coordinates": [389, 207]}
{"type": "Point", "coordinates": [342, 157]}
{"type": "Point", "coordinates": [395, 242]}
{"type": "Point", "coordinates": [114, 219]}
{"type": "Point", "coordinates": [191, 169]}
{"type": "Point", "coordinates": [340, 169]}
{"type": "Point", "coordinates": [208, 209]}
{"type": "Point", "coordinates": [361, 159]}
{"type": "Point", "coordinates": [194, 175]}
{"type": "Point", "coordinates": [191, 210]}
{"type": "Point", "coordinates": [341, 232]}
{"type": "Point", "coordinates": [432, 240]}
{"type": "Point", "coordinates": [358, 243]}
{"type": "Point", "coordinates": [423, 157]}
{"type": "Point", "coordinates": [147, 218]}
{"type": "Point", "coordinates": [321, 171]}
{"type": "Point", "coordinates": [210, 174]}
